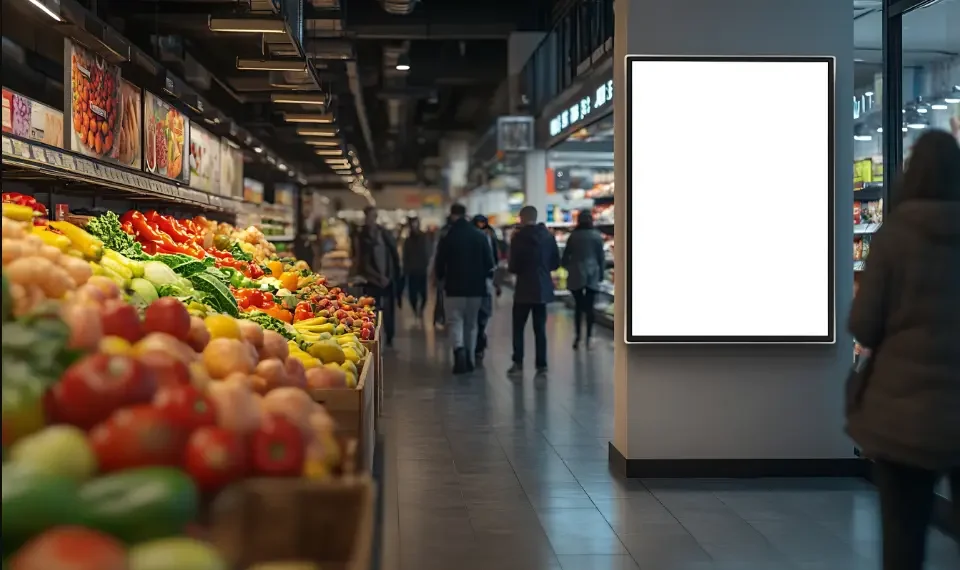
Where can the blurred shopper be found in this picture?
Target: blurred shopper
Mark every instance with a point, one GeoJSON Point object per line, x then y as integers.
{"type": "Point", "coordinates": [903, 406]}
{"type": "Point", "coordinates": [417, 250]}
{"type": "Point", "coordinates": [583, 259]}
{"type": "Point", "coordinates": [464, 263]}
{"type": "Point", "coordinates": [533, 255]}
{"type": "Point", "coordinates": [439, 314]}
{"type": "Point", "coordinates": [376, 260]}
{"type": "Point", "coordinates": [486, 309]}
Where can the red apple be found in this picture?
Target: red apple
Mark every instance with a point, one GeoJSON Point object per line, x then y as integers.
{"type": "Point", "coordinates": [117, 318]}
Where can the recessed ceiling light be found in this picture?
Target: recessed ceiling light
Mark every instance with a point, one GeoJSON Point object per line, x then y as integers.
{"type": "Point", "coordinates": [247, 25]}
{"type": "Point", "coordinates": [299, 98]}
{"type": "Point", "coordinates": [328, 152]}
{"type": "Point", "coordinates": [271, 65]}
{"type": "Point", "coordinates": [862, 138]}
{"type": "Point", "coordinates": [257, 149]}
{"type": "Point", "coordinates": [916, 125]}
{"type": "Point", "coordinates": [308, 117]}
{"type": "Point", "coordinates": [939, 107]}
{"type": "Point", "coordinates": [317, 131]}
{"type": "Point", "coordinates": [322, 142]}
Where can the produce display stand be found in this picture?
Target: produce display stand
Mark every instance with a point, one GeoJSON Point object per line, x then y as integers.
{"type": "Point", "coordinates": [353, 410]}
{"type": "Point", "coordinates": [327, 523]}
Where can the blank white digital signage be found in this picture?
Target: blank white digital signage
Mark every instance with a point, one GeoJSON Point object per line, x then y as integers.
{"type": "Point", "coordinates": [730, 200]}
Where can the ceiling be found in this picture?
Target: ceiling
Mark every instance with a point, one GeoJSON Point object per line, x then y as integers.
{"type": "Point", "coordinates": [929, 34]}
{"type": "Point", "coordinates": [456, 52]}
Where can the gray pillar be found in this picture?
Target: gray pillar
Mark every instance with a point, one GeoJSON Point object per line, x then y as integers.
{"type": "Point", "coordinates": [535, 182]}
{"type": "Point", "coordinates": [730, 406]}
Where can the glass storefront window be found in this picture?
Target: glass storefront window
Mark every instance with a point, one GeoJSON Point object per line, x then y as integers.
{"type": "Point", "coordinates": [931, 71]}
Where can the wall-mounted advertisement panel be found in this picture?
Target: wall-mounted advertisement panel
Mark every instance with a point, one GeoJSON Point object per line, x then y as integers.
{"type": "Point", "coordinates": [231, 170]}
{"type": "Point", "coordinates": [166, 135]}
{"type": "Point", "coordinates": [94, 104]}
{"type": "Point", "coordinates": [26, 118]}
{"type": "Point", "coordinates": [252, 191]}
{"type": "Point", "coordinates": [732, 281]}
{"type": "Point", "coordinates": [204, 160]}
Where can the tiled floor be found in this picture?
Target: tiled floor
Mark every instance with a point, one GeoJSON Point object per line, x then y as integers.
{"type": "Point", "coordinates": [487, 473]}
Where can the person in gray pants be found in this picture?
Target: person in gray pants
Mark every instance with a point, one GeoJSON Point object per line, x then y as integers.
{"type": "Point", "coordinates": [463, 264]}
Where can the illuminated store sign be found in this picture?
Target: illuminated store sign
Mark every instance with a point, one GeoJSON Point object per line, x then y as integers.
{"type": "Point", "coordinates": [582, 109]}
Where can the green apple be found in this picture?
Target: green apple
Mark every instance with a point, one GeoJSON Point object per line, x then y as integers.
{"type": "Point", "coordinates": [57, 450]}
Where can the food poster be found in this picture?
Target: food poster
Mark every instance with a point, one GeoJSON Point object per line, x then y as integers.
{"type": "Point", "coordinates": [129, 142]}
{"type": "Point", "coordinates": [231, 170]}
{"type": "Point", "coordinates": [96, 109]}
{"type": "Point", "coordinates": [252, 191]}
{"type": "Point", "coordinates": [204, 160]}
{"type": "Point", "coordinates": [166, 134]}
{"type": "Point", "coordinates": [26, 118]}
{"type": "Point", "coordinates": [283, 194]}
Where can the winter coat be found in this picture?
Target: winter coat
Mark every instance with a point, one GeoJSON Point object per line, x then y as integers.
{"type": "Point", "coordinates": [464, 261]}
{"type": "Point", "coordinates": [533, 255]}
{"type": "Point", "coordinates": [584, 259]}
{"type": "Point", "coordinates": [366, 262]}
{"type": "Point", "coordinates": [907, 311]}
{"type": "Point", "coordinates": [417, 251]}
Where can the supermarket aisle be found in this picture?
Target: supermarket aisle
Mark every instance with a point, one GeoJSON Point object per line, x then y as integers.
{"type": "Point", "coordinates": [485, 473]}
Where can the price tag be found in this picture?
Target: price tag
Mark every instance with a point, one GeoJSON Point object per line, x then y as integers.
{"type": "Point", "coordinates": [7, 146]}
{"type": "Point", "coordinates": [57, 158]}
{"type": "Point", "coordinates": [69, 163]}
{"type": "Point", "coordinates": [20, 149]}
{"type": "Point", "coordinates": [38, 154]}
{"type": "Point", "coordinates": [84, 166]}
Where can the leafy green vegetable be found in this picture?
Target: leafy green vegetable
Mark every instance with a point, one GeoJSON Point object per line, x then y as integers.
{"type": "Point", "coordinates": [220, 297]}
{"type": "Point", "coordinates": [237, 252]}
{"type": "Point", "coordinates": [107, 228]}
{"type": "Point", "coordinates": [159, 273]}
{"type": "Point", "coordinates": [186, 294]}
{"type": "Point", "coordinates": [36, 343]}
{"type": "Point", "coordinates": [219, 275]}
{"type": "Point", "coordinates": [173, 260]}
{"type": "Point", "coordinates": [144, 289]}
{"type": "Point", "coordinates": [270, 323]}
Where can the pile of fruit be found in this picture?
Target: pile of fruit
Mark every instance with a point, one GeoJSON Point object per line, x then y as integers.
{"type": "Point", "coordinates": [140, 378]}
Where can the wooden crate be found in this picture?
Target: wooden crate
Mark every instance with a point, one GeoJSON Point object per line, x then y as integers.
{"type": "Point", "coordinates": [287, 520]}
{"type": "Point", "coordinates": [353, 410]}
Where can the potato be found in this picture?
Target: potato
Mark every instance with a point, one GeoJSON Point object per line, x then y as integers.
{"type": "Point", "coordinates": [223, 356]}
{"type": "Point", "coordinates": [293, 404]}
{"type": "Point", "coordinates": [296, 374]}
{"type": "Point", "coordinates": [199, 336]}
{"type": "Point", "coordinates": [251, 332]}
{"type": "Point", "coordinates": [272, 370]}
{"type": "Point", "coordinates": [274, 346]}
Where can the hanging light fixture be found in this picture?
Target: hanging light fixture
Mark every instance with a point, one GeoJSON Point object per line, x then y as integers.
{"type": "Point", "coordinates": [403, 62]}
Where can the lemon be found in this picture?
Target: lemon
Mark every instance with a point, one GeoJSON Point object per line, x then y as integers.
{"type": "Point", "coordinates": [115, 346]}
{"type": "Point", "coordinates": [222, 326]}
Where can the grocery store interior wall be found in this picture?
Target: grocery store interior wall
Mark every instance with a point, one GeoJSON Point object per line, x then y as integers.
{"type": "Point", "coordinates": [737, 402]}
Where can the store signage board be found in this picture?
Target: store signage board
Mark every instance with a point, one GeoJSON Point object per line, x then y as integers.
{"type": "Point", "coordinates": [736, 292]}
{"type": "Point", "coordinates": [600, 101]}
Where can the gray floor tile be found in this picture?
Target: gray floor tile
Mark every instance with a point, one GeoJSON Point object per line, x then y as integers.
{"type": "Point", "coordinates": [489, 473]}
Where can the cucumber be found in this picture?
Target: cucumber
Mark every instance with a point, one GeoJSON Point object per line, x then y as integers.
{"type": "Point", "coordinates": [139, 504]}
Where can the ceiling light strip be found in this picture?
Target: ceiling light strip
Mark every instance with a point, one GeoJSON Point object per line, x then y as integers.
{"type": "Point", "coordinates": [246, 25]}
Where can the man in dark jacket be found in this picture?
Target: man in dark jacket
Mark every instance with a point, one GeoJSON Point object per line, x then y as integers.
{"type": "Point", "coordinates": [533, 255]}
{"type": "Point", "coordinates": [376, 261]}
{"type": "Point", "coordinates": [463, 265]}
{"type": "Point", "coordinates": [416, 264]}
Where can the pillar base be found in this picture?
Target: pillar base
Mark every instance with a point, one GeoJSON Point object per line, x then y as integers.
{"type": "Point", "coordinates": [734, 468]}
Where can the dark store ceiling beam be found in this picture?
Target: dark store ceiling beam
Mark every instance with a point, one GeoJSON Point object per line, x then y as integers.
{"type": "Point", "coordinates": [413, 31]}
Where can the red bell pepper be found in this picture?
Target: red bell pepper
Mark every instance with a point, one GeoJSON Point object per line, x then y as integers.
{"type": "Point", "coordinates": [219, 254]}
{"type": "Point", "coordinates": [172, 228]}
{"type": "Point", "coordinates": [253, 271]}
{"type": "Point", "coordinates": [144, 229]}
{"type": "Point", "coordinates": [127, 227]}
{"type": "Point", "coordinates": [303, 311]}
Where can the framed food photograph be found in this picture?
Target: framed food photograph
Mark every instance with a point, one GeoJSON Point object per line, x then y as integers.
{"type": "Point", "coordinates": [231, 170]}
{"type": "Point", "coordinates": [29, 119]}
{"type": "Point", "coordinates": [166, 136]}
{"type": "Point", "coordinates": [93, 103]}
{"type": "Point", "coordinates": [129, 141]}
{"type": "Point", "coordinates": [204, 160]}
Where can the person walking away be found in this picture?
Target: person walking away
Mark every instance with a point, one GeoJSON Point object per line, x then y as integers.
{"type": "Point", "coordinates": [533, 255]}
{"type": "Point", "coordinates": [903, 408]}
{"type": "Point", "coordinates": [416, 264]}
{"type": "Point", "coordinates": [377, 261]}
{"type": "Point", "coordinates": [439, 315]}
{"type": "Point", "coordinates": [464, 263]}
{"type": "Point", "coordinates": [584, 259]}
{"type": "Point", "coordinates": [486, 308]}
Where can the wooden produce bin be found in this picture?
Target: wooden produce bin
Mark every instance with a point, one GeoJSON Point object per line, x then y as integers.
{"type": "Point", "coordinates": [330, 524]}
{"type": "Point", "coordinates": [353, 410]}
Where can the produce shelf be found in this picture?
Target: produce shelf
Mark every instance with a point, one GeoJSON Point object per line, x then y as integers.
{"type": "Point", "coordinates": [33, 161]}
{"type": "Point", "coordinates": [281, 238]}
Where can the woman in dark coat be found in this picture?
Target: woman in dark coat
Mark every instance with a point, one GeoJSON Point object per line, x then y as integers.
{"type": "Point", "coordinates": [904, 412]}
{"type": "Point", "coordinates": [583, 258]}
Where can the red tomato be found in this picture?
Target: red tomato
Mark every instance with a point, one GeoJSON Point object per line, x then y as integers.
{"type": "Point", "coordinates": [215, 457]}
{"type": "Point", "coordinates": [277, 448]}
{"type": "Point", "coordinates": [168, 370]}
{"type": "Point", "coordinates": [168, 315]}
{"type": "Point", "coordinates": [117, 318]}
{"type": "Point", "coordinates": [138, 437]}
{"type": "Point", "coordinates": [97, 385]}
{"type": "Point", "coordinates": [70, 548]}
{"type": "Point", "coordinates": [185, 406]}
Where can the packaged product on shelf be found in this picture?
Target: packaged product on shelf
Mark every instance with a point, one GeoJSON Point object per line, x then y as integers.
{"type": "Point", "coordinates": [857, 213]}
{"type": "Point", "coordinates": [857, 249]}
{"type": "Point", "coordinates": [865, 247]}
